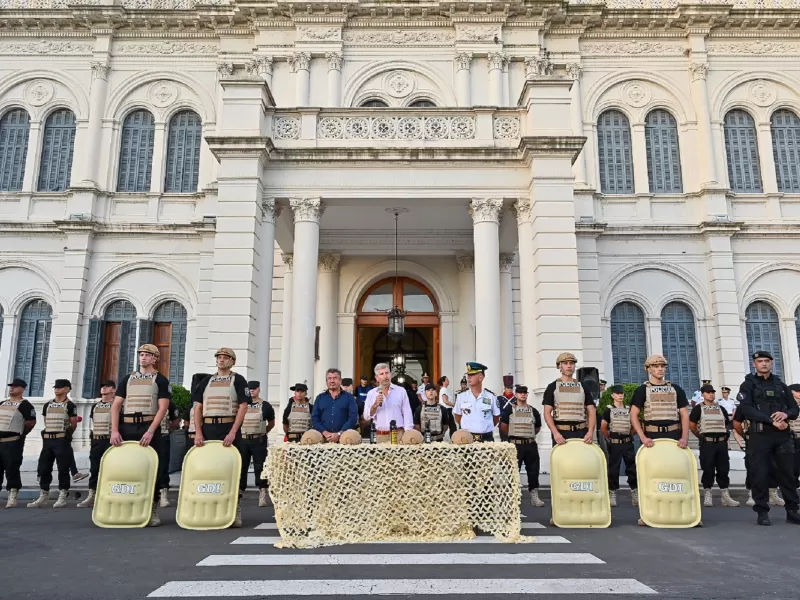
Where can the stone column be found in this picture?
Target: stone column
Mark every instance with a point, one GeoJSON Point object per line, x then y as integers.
{"type": "Point", "coordinates": [527, 294]}
{"type": "Point", "coordinates": [496, 79]}
{"type": "Point", "coordinates": [97, 107]}
{"type": "Point", "coordinates": [705, 144]}
{"type": "Point", "coordinates": [266, 250]}
{"type": "Point", "coordinates": [29, 183]}
{"type": "Point", "coordinates": [769, 178]}
{"type": "Point", "coordinates": [463, 79]}
{"type": "Point", "coordinates": [159, 146]}
{"type": "Point", "coordinates": [641, 180]}
{"type": "Point", "coordinates": [7, 352]}
{"type": "Point", "coordinates": [506, 316]}
{"type": "Point", "coordinates": [589, 286]}
{"type": "Point", "coordinates": [327, 310]}
{"type": "Point", "coordinates": [576, 104]}
{"type": "Point", "coordinates": [300, 64]}
{"type": "Point", "coordinates": [506, 80]}
{"type": "Point", "coordinates": [334, 79]}
{"type": "Point", "coordinates": [654, 341]}
{"type": "Point", "coordinates": [263, 67]}
{"type": "Point", "coordinates": [466, 313]}
{"type": "Point", "coordinates": [485, 214]}
{"type": "Point", "coordinates": [791, 369]}
{"type": "Point", "coordinates": [307, 213]}
{"type": "Point", "coordinates": [286, 328]}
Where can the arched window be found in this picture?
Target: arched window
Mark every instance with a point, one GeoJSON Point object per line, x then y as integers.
{"type": "Point", "coordinates": [663, 153]}
{"type": "Point", "coordinates": [616, 156]}
{"type": "Point", "coordinates": [33, 345]}
{"type": "Point", "coordinates": [679, 342]}
{"type": "Point", "coordinates": [15, 126]}
{"type": "Point", "coordinates": [169, 335]}
{"type": "Point", "coordinates": [628, 343]}
{"type": "Point", "coordinates": [422, 104]}
{"type": "Point", "coordinates": [785, 127]}
{"type": "Point", "coordinates": [57, 148]}
{"type": "Point", "coordinates": [374, 104]}
{"type": "Point", "coordinates": [136, 152]}
{"type": "Point", "coordinates": [183, 153]}
{"type": "Point", "coordinates": [764, 333]}
{"type": "Point", "coordinates": [119, 348]}
{"type": "Point", "coordinates": [741, 148]}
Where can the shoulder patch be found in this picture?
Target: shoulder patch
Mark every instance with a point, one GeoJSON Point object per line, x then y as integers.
{"type": "Point", "coordinates": [247, 392]}
{"type": "Point", "coordinates": [33, 413]}
{"type": "Point", "coordinates": [169, 388]}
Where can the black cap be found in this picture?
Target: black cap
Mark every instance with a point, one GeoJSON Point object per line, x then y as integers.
{"type": "Point", "coordinates": [299, 387]}
{"type": "Point", "coordinates": [109, 383]}
{"type": "Point", "coordinates": [252, 385]}
{"type": "Point", "coordinates": [347, 381]}
{"type": "Point", "coordinates": [429, 386]}
{"type": "Point", "coordinates": [18, 383]}
{"type": "Point", "coordinates": [364, 378]}
{"type": "Point", "coordinates": [707, 388]}
{"type": "Point", "coordinates": [617, 389]}
{"type": "Point", "coordinates": [762, 354]}
{"type": "Point", "coordinates": [521, 389]}
{"type": "Point", "coordinates": [62, 383]}
{"type": "Point", "coordinates": [795, 387]}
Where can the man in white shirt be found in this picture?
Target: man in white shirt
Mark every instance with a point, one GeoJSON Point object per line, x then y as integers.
{"type": "Point", "coordinates": [727, 402]}
{"type": "Point", "coordinates": [476, 409]}
{"type": "Point", "coordinates": [387, 403]}
{"type": "Point", "coordinates": [421, 389]}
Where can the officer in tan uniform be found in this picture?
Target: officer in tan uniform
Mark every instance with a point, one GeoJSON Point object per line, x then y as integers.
{"type": "Point", "coordinates": [221, 402]}
{"type": "Point", "coordinates": [569, 409]}
{"type": "Point", "coordinates": [297, 414]}
{"type": "Point", "coordinates": [100, 417]}
{"type": "Point", "coordinates": [60, 420]}
{"type": "Point", "coordinates": [17, 418]}
{"type": "Point", "coordinates": [615, 425]}
{"type": "Point", "coordinates": [664, 405]}
{"type": "Point", "coordinates": [141, 401]}
{"type": "Point", "coordinates": [258, 422]}
{"type": "Point", "coordinates": [169, 423]}
{"type": "Point", "coordinates": [521, 422]}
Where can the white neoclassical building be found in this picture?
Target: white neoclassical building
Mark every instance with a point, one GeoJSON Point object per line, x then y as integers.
{"type": "Point", "coordinates": [613, 178]}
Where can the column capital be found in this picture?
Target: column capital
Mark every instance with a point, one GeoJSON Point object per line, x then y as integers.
{"type": "Point", "coordinates": [261, 66]}
{"type": "Point", "coordinates": [574, 70]}
{"type": "Point", "coordinates": [483, 210]}
{"type": "Point", "coordinates": [506, 260]}
{"type": "Point", "coordinates": [537, 66]}
{"type": "Point", "coordinates": [270, 210]}
{"type": "Point", "coordinates": [463, 61]}
{"type": "Point", "coordinates": [100, 70]}
{"type": "Point", "coordinates": [329, 262]}
{"type": "Point", "coordinates": [288, 262]}
{"type": "Point", "coordinates": [465, 263]}
{"type": "Point", "coordinates": [335, 60]}
{"type": "Point", "coordinates": [496, 61]}
{"type": "Point", "coordinates": [698, 70]}
{"type": "Point", "coordinates": [307, 209]}
{"type": "Point", "coordinates": [300, 61]}
{"type": "Point", "coordinates": [523, 210]}
{"type": "Point", "coordinates": [225, 69]}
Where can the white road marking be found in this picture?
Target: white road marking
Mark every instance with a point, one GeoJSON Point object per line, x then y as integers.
{"type": "Point", "coordinates": [398, 587]}
{"type": "Point", "coordinates": [271, 560]}
{"type": "Point", "coordinates": [540, 539]}
{"type": "Point", "coordinates": [533, 526]}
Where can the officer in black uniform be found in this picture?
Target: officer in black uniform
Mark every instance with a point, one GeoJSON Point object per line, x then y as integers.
{"type": "Point", "coordinates": [569, 409]}
{"type": "Point", "coordinates": [521, 423]}
{"type": "Point", "coordinates": [795, 427]}
{"type": "Point", "coordinates": [664, 405]}
{"type": "Point", "coordinates": [768, 404]}
{"type": "Point", "coordinates": [258, 422]}
{"type": "Point", "coordinates": [297, 414]}
{"type": "Point", "coordinates": [60, 420]}
{"type": "Point", "coordinates": [169, 423]}
{"type": "Point", "coordinates": [17, 419]}
{"type": "Point", "coordinates": [615, 425]}
{"type": "Point", "coordinates": [100, 417]}
{"type": "Point", "coordinates": [504, 399]}
{"type": "Point", "coordinates": [742, 427]}
{"type": "Point", "coordinates": [431, 417]}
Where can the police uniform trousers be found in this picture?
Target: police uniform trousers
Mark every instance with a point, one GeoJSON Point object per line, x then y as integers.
{"type": "Point", "coordinates": [797, 461]}
{"type": "Point", "coordinates": [762, 446]}
{"type": "Point", "coordinates": [255, 448]}
{"type": "Point", "coordinates": [578, 434]}
{"type": "Point", "coordinates": [621, 450]}
{"type": "Point", "coordinates": [528, 454]}
{"type": "Point", "coordinates": [714, 460]}
{"type": "Point", "coordinates": [163, 461]}
{"type": "Point", "coordinates": [748, 469]}
{"type": "Point", "coordinates": [11, 461]}
{"type": "Point", "coordinates": [97, 448]}
{"type": "Point", "coordinates": [133, 432]}
{"type": "Point", "coordinates": [54, 450]}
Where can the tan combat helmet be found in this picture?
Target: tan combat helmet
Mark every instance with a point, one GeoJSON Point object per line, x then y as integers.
{"type": "Point", "coordinates": [312, 436]}
{"type": "Point", "coordinates": [412, 437]}
{"type": "Point", "coordinates": [653, 360]}
{"type": "Point", "coordinates": [565, 357]}
{"type": "Point", "coordinates": [150, 349]}
{"type": "Point", "coordinates": [461, 437]}
{"type": "Point", "coordinates": [226, 352]}
{"type": "Point", "coordinates": [350, 438]}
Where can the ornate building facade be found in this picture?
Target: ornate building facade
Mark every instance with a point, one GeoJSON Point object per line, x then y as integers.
{"type": "Point", "coordinates": [611, 178]}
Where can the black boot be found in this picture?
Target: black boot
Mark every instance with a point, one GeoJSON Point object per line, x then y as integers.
{"type": "Point", "coordinates": [763, 519]}
{"type": "Point", "coordinates": [792, 516]}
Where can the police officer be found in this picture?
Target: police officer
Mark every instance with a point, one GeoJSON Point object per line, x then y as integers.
{"type": "Point", "coordinates": [769, 406]}
{"type": "Point", "coordinates": [431, 417]}
{"type": "Point", "coordinates": [521, 422]}
{"type": "Point", "coordinates": [60, 420]}
{"type": "Point", "coordinates": [615, 425]}
{"type": "Point", "coordinates": [297, 414]}
{"type": "Point", "coordinates": [17, 419]}
{"type": "Point", "coordinates": [742, 427]}
{"type": "Point", "coordinates": [258, 422]}
{"type": "Point", "coordinates": [710, 422]}
{"type": "Point", "coordinates": [100, 418]}
{"type": "Point", "coordinates": [569, 409]}
{"type": "Point", "coordinates": [727, 402]}
{"type": "Point", "coordinates": [794, 425]}
{"type": "Point", "coordinates": [664, 405]}
{"type": "Point", "coordinates": [476, 409]}
{"type": "Point", "coordinates": [222, 400]}
{"type": "Point", "coordinates": [141, 401]}
{"type": "Point", "coordinates": [504, 399]}
{"type": "Point", "coordinates": [191, 427]}
{"type": "Point", "coordinates": [362, 390]}
{"type": "Point", "coordinates": [169, 423]}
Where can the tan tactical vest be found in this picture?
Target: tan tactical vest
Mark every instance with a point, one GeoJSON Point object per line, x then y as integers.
{"type": "Point", "coordinates": [219, 397]}
{"type": "Point", "coordinates": [620, 423]}
{"type": "Point", "coordinates": [165, 423]}
{"type": "Point", "coordinates": [142, 396]}
{"type": "Point", "coordinates": [191, 418]}
{"type": "Point", "coordinates": [431, 417]}
{"type": "Point", "coordinates": [299, 418]}
{"type": "Point", "coordinates": [522, 423]}
{"type": "Point", "coordinates": [569, 401]}
{"type": "Point", "coordinates": [11, 420]}
{"type": "Point", "coordinates": [795, 426]}
{"type": "Point", "coordinates": [101, 418]}
{"type": "Point", "coordinates": [661, 403]}
{"type": "Point", "coordinates": [253, 423]}
{"type": "Point", "coordinates": [57, 419]}
{"type": "Point", "coordinates": [712, 420]}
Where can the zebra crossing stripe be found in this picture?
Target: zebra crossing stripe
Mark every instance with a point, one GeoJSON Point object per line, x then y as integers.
{"type": "Point", "coordinates": [280, 560]}
{"type": "Point", "coordinates": [540, 539]}
{"type": "Point", "coordinates": [274, 526]}
{"type": "Point", "coordinates": [398, 587]}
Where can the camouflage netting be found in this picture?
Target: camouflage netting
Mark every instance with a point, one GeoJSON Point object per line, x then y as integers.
{"type": "Point", "coordinates": [328, 494]}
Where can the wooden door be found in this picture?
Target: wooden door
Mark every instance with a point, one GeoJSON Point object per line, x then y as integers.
{"type": "Point", "coordinates": [111, 352]}
{"type": "Point", "coordinates": [162, 338]}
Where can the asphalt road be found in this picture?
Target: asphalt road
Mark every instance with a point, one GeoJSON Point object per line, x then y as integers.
{"type": "Point", "coordinates": [49, 553]}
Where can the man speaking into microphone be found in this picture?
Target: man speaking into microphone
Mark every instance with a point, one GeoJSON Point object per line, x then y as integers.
{"type": "Point", "coordinates": [387, 403]}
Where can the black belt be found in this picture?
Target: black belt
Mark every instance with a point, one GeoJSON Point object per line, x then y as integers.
{"type": "Point", "coordinates": [522, 442]}
{"type": "Point", "coordinates": [479, 437]}
{"type": "Point", "coordinates": [253, 436]}
{"type": "Point", "coordinates": [101, 437]}
{"type": "Point", "coordinates": [576, 427]}
{"type": "Point", "coordinates": [625, 440]}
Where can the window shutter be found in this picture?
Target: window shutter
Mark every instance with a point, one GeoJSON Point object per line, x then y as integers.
{"type": "Point", "coordinates": [127, 348]}
{"type": "Point", "coordinates": [785, 127]}
{"type": "Point", "coordinates": [628, 342]}
{"type": "Point", "coordinates": [679, 343]}
{"type": "Point", "coordinates": [183, 153]}
{"type": "Point", "coordinates": [56, 161]}
{"type": "Point", "coordinates": [145, 331]}
{"type": "Point", "coordinates": [763, 333]}
{"type": "Point", "coordinates": [663, 153]}
{"type": "Point", "coordinates": [33, 345]}
{"type": "Point", "coordinates": [177, 351]}
{"type": "Point", "coordinates": [615, 153]}
{"type": "Point", "coordinates": [14, 132]}
{"type": "Point", "coordinates": [741, 147]}
{"type": "Point", "coordinates": [94, 357]}
{"type": "Point", "coordinates": [23, 362]}
{"type": "Point", "coordinates": [136, 152]}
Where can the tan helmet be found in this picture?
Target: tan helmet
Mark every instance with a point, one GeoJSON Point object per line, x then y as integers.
{"type": "Point", "coordinates": [655, 359]}
{"type": "Point", "coordinates": [411, 437]}
{"type": "Point", "coordinates": [461, 437]}
{"type": "Point", "coordinates": [226, 352]}
{"type": "Point", "coordinates": [151, 349]}
{"type": "Point", "coordinates": [565, 357]}
{"type": "Point", "coordinates": [312, 436]}
{"type": "Point", "coordinates": [350, 438]}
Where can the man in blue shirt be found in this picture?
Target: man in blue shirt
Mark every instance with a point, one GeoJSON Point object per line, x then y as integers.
{"type": "Point", "coordinates": [335, 411]}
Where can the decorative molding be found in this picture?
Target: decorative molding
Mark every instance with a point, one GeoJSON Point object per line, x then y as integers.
{"type": "Point", "coordinates": [757, 48]}
{"type": "Point", "coordinates": [39, 92]}
{"type": "Point", "coordinates": [46, 47]}
{"type": "Point", "coordinates": [399, 84]}
{"type": "Point", "coordinates": [465, 263]}
{"type": "Point", "coordinates": [399, 37]}
{"type": "Point", "coordinates": [270, 210]}
{"type": "Point", "coordinates": [636, 93]}
{"type": "Point", "coordinates": [506, 260]}
{"type": "Point", "coordinates": [328, 262]}
{"type": "Point", "coordinates": [698, 70]}
{"type": "Point", "coordinates": [506, 128]}
{"type": "Point", "coordinates": [523, 210]}
{"type": "Point", "coordinates": [396, 128]}
{"type": "Point", "coordinates": [260, 66]}
{"type": "Point", "coordinates": [300, 61]}
{"type": "Point", "coordinates": [318, 34]}
{"type": "Point", "coordinates": [537, 66]}
{"type": "Point", "coordinates": [762, 92]}
{"type": "Point", "coordinates": [285, 128]}
{"type": "Point", "coordinates": [485, 210]}
{"type": "Point", "coordinates": [634, 47]}
{"type": "Point", "coordinates": [496, 61]}
{"type": "Point", "coordinates": [335, 60]}
{"type": "Point", "coordinates": [479, 34]}
{"type": "Point", "coordinates": [225, 70]}
{"type": "Point", "coordinates": [163, 93]}
{"type": "Point", "coordinates": [463, 61]}
{"type": "Point", "coordinates": [166, 48]}
{"type": "Point", "coordinates": [100, 70]}
{"type": "Point", "coordinates": [288, 262]}
{"type": "Point", "coordinates": [574, 70]}
{"type": "Point", "coordinates": [306, 209]}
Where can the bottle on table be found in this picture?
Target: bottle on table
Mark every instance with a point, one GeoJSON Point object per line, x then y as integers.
{"type": "Point", "coordinates": [373, 433]}
{"type": "Point", "coordinates": [393, 431]}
